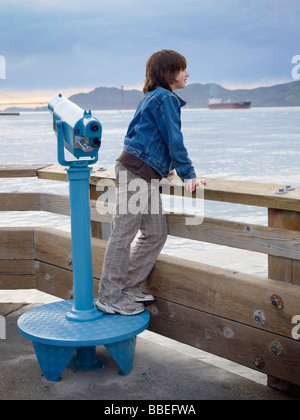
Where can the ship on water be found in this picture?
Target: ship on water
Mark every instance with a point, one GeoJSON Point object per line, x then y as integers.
{"type": "Point", "coordinates": [217, 103]}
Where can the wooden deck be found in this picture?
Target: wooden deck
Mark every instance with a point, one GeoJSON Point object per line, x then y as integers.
{"type": "Point", "coordinates": [241, 317]}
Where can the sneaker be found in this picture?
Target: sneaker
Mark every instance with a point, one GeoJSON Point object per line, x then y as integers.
{"type": "Point", "coordinates": [124, 306]}
{"type": "Point", "coordinates": [140, 297]}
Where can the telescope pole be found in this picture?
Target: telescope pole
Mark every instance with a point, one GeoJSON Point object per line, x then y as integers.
{"type": "Point", "coordinates": [83, 310]}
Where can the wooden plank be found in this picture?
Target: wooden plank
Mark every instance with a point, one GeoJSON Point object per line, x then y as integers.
{"type": "Point", "coordinates": [20, 171]}
{"type": "Point", "coordinates": [232, 191]}
{"type": "Point", "coordinates": [221, 292]}
{"type": "Point", "coordinates": [263, 239]}
{"type": "Point", "coordinates": [53, 253]}
{"type": "Point", "coordinates": [239, 192]}
{"type": "Point", "coordinates": [17, 269]}
{"type": "Point", "coordinates": [104, 178]}
{"type": "Point", "coordinates": [54, 247]}
{"type": "Point", "coordinates": [272, 241]}
{"type": "Point", "coordinates": [55, 203]}
{"type": "Point", "coordinates": [58, 281]}
{"type": "Point", "coordinates": [16, 243]}
{"type": "Point", "coordinates": [54, 172]}
{"type": "Point", "coordinates": [251, 193]}
{"type": "Point", "coordinates": [234, 341]}
{"type": "Point", "coordinates": [17, 274]}
{"type": "Point", "coordinates": [17, 281]}
{"type": "Point", "coordinates": [54, 280]}
{"type": "Point", "coordinates": [20, 202]}
{"type": "Point", "coordinates": [17, 266]}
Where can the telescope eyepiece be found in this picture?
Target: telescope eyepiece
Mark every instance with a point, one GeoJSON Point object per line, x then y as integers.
{"type": "Point", "coordinates": [94, 127]}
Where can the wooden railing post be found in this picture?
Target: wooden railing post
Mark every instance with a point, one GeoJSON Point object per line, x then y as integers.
{"type": "Point", "coordinates": [286, 270]}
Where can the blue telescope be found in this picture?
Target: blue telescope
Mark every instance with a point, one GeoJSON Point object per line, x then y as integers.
{"type": "Point", "coordinates": [61, 329]}
{"type": "Point", "coordinates": [77, 130]}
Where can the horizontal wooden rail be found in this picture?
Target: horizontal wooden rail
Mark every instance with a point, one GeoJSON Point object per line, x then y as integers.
{"type": "Point", "coordinates": [262, 239]}
{"type": "Point", "coordinates": [20, 171]}
{"type": "Point", "coordinates": [239, 192]}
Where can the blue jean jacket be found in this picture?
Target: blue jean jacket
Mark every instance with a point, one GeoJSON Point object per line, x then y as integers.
{"type": "Point", "coordinates": [154, 134]}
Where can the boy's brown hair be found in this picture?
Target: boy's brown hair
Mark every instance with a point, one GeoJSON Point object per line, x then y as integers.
{"type": "Point", "coordinates": [162, 68]}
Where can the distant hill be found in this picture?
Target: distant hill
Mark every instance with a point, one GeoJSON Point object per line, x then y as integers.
{"type": "Point", "coordinates": [103, 98]}
{"type": "Point", "coordinates": [196, 95]}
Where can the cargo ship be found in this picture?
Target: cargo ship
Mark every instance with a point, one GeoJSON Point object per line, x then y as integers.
{"type": "Point", "coordinates": [217, 103]}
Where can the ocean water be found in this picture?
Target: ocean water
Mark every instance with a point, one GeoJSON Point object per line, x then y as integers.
{"type": "Point", "coordinates": [259, 145]}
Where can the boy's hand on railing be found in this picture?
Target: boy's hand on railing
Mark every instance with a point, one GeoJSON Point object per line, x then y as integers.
{"type": "Point", "coordinates": [191, 184]}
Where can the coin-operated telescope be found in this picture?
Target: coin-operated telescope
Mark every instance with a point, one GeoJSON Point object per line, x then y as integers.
{"type": "Point", "coordinates": [80, 133]}
{"type": "Point", "coordinates": [63, 328]}
{"type": "Point", "coordinates": [77, 131]}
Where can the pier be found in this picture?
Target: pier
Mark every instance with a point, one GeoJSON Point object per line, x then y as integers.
{"type": "Point", "coordinates": [244, 318]}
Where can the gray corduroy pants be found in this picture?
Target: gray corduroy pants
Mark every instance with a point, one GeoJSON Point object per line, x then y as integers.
{"type": "Point", "coordinates": [138, 208]}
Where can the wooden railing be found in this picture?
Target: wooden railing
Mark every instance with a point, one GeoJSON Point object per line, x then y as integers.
{"type": "Point", "coordinates": [241, 317]}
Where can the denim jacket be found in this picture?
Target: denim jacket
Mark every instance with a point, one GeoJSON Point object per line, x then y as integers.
{"type": "Point", "coordinates": [154, 135]}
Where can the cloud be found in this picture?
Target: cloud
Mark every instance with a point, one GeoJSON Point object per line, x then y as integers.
{"type": "Point", "coordinates": [73, 43]}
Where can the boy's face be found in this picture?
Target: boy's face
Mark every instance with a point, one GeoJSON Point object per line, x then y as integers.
{"type": "Point", "coordinates": [180, 80]}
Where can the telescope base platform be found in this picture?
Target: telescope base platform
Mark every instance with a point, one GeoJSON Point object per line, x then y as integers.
{"type": "Point", "coordinates": [56, 338]}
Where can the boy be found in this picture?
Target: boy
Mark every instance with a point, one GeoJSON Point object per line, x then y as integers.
{"type": "Point", "coordinates": [153, 146]}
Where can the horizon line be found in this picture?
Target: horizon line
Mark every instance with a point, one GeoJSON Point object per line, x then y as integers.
{"type": "Point", "coordinates": [41, 98]}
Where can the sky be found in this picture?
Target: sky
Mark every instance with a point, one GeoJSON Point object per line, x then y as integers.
{"type": "Point", "coordinates": [70, 46]}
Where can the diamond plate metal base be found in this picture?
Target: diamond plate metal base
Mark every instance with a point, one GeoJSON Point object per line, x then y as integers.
{"type": "Point", "coordinates": [56, 338]}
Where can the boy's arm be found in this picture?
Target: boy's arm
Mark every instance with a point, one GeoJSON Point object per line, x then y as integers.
{"type": "Point", "coordinates": [169, 124]}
